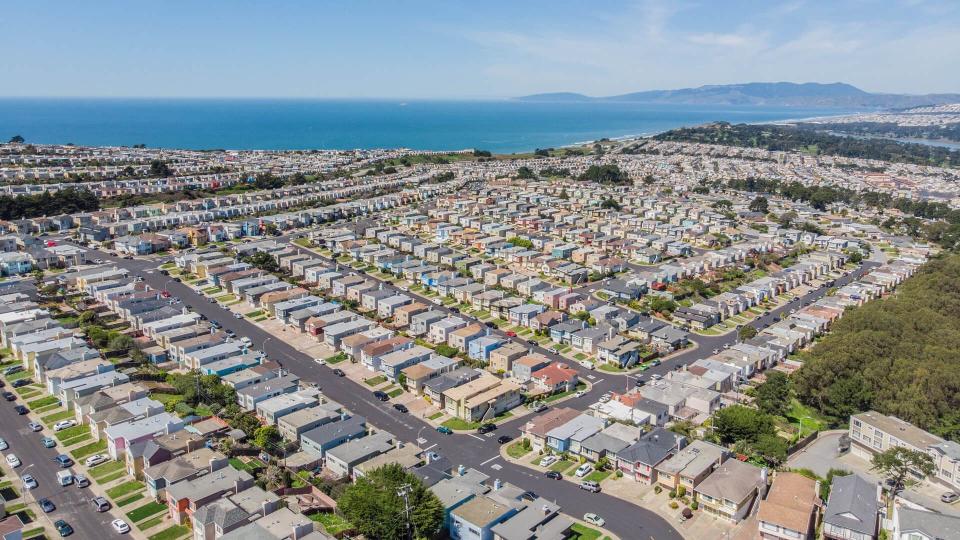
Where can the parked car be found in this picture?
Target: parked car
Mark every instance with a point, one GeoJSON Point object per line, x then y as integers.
{"type": "Point", "coordinates": [583, 470]}
{"type": "Point", "coordinates": [21, 410]}
{"type": "Point", "coordinates": [339, 372]}
{"type": "Point", "coordinates": [401, 407]}
{"type": "Point", "coordinates": [445, 430]}
{"type": "Point", "coordinates": [29, 482]}
{"type": "Point", "coordinates": [46, 505]}
{"type": "Point", "coordinates": [12, 369]}
{"type": "Point", "coordinates": [547, 461]}
{"type": "Point", "coordinates": [63, 528]}
{"type": "Point", "coordinates": [380, 395]}
{"type": "Point", "coordinates": [13, 460]}
{"type": "Point", "coordinates": [489, 324]}
{"type": "Point", "coordinates": [486, 428]}
{"type": "Point", "coordinates": [64, 461]}
{"type": "Point", "coordinates": [9, 396]}
{"type": "Point", "coordinates": [21, 382]}
{"type": "Point", "coordinates": [950, 497]}
{"type": "Point", "coordinates": [95, 459]}
{"type": "Point", "coordinates": [590, 486]}
{"type": "Point", "coordinates": [81, 480]}
{"type": "Point", "coordinates": [101, 504]}
{"type": "Point", "coordinates": [3, 444]}
{"type": "Point", "coordinates": [504, 439]}
{"type": "Point", "coordinates": [540, 407]}
{"type": "Point", "coordinates": [120, 526]}
{"type": "Point", "coordinates": [48, 442]}
{"type": "Point", "coordinates": [235, 316]}
{"type": "Point", "coordinates": [554, 475]}
{"type": "Point", "coordinates": [35, 426]}
{"type": "Point", "coordinates": [594, 519]}
{"type": "Point", "coordinates": [511, 333]}
{"type": "Point", "coordinates": [64, 424]}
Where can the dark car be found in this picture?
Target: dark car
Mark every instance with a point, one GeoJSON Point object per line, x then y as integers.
{"type": "Point", "coordinates": [533, 342]}
{"type": "Point", "coordinates": [554, 475]}
{"type": "Point", "coordinates": [46, 505]}
{"type": "Point", "coordinates": [178, 280]}
{"type": "Point", "coordinates": [444, 430]}
{"type": "Point", "coordinates": [339, 372]}
{"type": "Point", "coordinates": [489, 324]}
{"type": "Point", "coordinates": [21, 410]}
{"type": "Point", "coordinates": [63, 527]}
{"type": "Point", "coordinates": [382, 396]}
{"type": "Point", "coordinates": [21, 382]}
{"type": "Point", "coordinates": [164, 273]}
{"type": "Point", "coordinates": [2, 384]}
{"type": "Point", "coordinates": [401, 407]}
{"type": "Point", "coordinates": [9, 396]}
{"type": "Point", "coordinates": [486, 428]}
{"type": "Point", "coordinates": [503, 439]}
{"type": "Point", "coordinates": [455, 310]}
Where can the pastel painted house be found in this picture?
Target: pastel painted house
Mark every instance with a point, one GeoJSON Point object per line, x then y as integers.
{"type": "Point", "coordinates": [121, 436]}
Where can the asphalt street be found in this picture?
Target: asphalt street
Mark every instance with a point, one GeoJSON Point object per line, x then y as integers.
{"type": "Point", "coordinates": [73, 503]}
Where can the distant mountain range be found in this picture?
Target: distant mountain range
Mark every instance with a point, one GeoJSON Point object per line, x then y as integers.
{"type": "Point", "coordinates": [778, 94]}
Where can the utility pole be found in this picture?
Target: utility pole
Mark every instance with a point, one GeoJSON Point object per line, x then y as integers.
{"type": "Point", "coordinates": [404, 491]}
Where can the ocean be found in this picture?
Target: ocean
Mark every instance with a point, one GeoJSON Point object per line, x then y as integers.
{"type": "Point", "coordinates": [282, 124]}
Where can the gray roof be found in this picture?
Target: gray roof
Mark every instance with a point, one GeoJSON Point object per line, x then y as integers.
{"type": "Point", "coordinates": [852, 504]}
{"type": "Point", "coordinates": [651, 449]}
{"type": "Point", "coordinates": [930, 524]}
{"type": "Point", "coordinates": [223, 512]}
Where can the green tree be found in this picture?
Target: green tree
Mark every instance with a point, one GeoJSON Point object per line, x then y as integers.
{"type": "Point", "coordinates": [610, 203]}
{"type": "Point", "coordinates": [771, 448]}
{"type": "Point", "coordinates": [760, 204]}
{"type": "Point", "coordinates": [722, 204]}
{"type": "Point", "coordinates": [773, 396]}
{"type": "Point", "coordinates": [660, 304]}
{"type": "Point", "coordinates": [525, 173]}
{"type": "Point", "coordinates": [563, 194]}
{"type": "Point", "coordinates": [739, 423]}
{"type": "Point", "coordinates": [375, 506]}
{"type": "Point", "coordinates": [87, 317]}
{"type": "Point", "coordinates": [605, 174]}
{"type": "Point", "coordinates": [264, 261]}
{"type": "Point", "coordinates": [903, 466]}
{"type": "Point", "coordinates": [268, 438]}
{"type": "Point", "coordinates": [121, 342]}
{"type": "Point", "coordinates": [746, 332]}
{"type": "Point", "coordinates": [446, 350]}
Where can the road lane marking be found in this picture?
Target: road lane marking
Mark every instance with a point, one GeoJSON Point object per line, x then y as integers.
{"type": "Point", "coordinates": [475, 437]}
{"type": "Point", "coordinates": [424, 440]}
{"type": "Point", "coordinates": [489, 460]}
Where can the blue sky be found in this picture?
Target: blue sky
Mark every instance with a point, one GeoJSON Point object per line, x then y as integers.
{"type": "Point", "coordinates": [469, 49]}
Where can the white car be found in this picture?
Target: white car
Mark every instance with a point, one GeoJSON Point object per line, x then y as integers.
{"type": "Point", "coordinates": [548, 461]}
{"type": "Point", "coordinates": [95, 459]}
{"type": "Point", "coordinates": [583, 470]}
{"type": "Point", "coordinates": [594, 519]}
{"type": "Point", "coordinates": [3, 444]}
{"type": "Point", "coordinates": [98, 261]}
{"type": "Point", "coordinates": [237, 316]}
{"type": "Point", "coordinates": [29, 482]}
{"type": "Point", "coordinates": [64, 424]}
{"type": "Point", "coordinates": [13, 460]}
{"type": "Point", "coordinates": [120, 526]}
{"type": "Point", "coordinates": [580, 393]}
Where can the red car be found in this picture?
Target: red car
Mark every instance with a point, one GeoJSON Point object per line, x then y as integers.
{"type": "Point", "coordinates": [511, 333]}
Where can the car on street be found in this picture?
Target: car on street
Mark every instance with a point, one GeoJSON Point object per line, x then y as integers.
{"type": "Point", "coordinates": [48, 442]}
{"type": "Point", "coordinates": [46, 505]}
{"type": "Point", "coordinates": [590, 485]}
{"type": "Point", "coordinates": [35, 426]}
{"type": "Point", "coordinates": [64, 461]}
{"type": "Point", "coordinates": [21, 410]}
{"type": "Point", "coordinates": [101, 504]}
{"type": "Point", "coordinates": [486, 428]}
{"type": "Point", "coordinates": [29, 482]}
{"type": "Point", "coordinates": [98, 261]}
{"type": "Point", "coordinates": [339, 372]}
{"type": "Point", "coordinates": [540, 407]}
{"type": "Point", "coordinates": [445, 430]}
{"type": "Point", "coordinates": [9, 396]}
{"type": "Point", "coordinates": [594, 519]}
{"type": "Point", "coordinates": [95, 459]}
{"type": "Point", "coordinates": [554, 475]}
{"type": "Point", "coordinates": [511, 333]}
{"type": "Point", "coordinates": [64, 424]}
{"type": "Point", "coordinates": [489, 324]}
{"type": "Point", "coordinates": [235, 316]}
{"type": "Point", "coordinates": [580, 393]}
{"type": "Point", "coordinates": [120, 526]}
{"type": "Point", "coordinates": [380, 395]}
{"type": "Point", "coordinates": [13, 460]}
{"type": "Point", "coordinates": [63, 527]}
{"type": "Point", "coordinates": [950, 497]}
{"type": "Point", "coordinates": [583, 470]}
{"type": "Point", "coordinates": [81, 480]}
{"type": "Point", "coordinates": [401, 407]}
{"type": "Point", "coordinates": [3, 444]}
{"type": "Point", "coordinates": [504, 439]}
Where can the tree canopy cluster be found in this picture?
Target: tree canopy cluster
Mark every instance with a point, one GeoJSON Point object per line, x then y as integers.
{"type": "Point", "coordinates": [792, 138]}
{"type": "Point", "coordinates": [66, 201]}
{"type": "Point", "coordinates": [605, 174]}
{"type": "Point", "coordinates": [377, 510]}
{"type": "Point", "coordinates": [899, 355]}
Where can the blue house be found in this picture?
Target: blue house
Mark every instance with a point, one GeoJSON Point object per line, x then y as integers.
{"type": "Point", "coordinates": [480, 348]}
{"type": "Point", "coordinates": [567, 437]}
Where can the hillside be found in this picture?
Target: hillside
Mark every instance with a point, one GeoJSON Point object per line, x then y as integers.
{"type": "Point", "coordinates": [899, 355]}
{"type": "Point", "coordinates": [775, 94]}
{"type": "Point", "coordinates": [793, 138]}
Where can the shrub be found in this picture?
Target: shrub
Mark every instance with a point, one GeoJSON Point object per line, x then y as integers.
{"type": "Point", "coordinates": [672, 494]}
{"type": "Point", "coordinates": [681, 491]}
{"type": "Point", "coordinates": [619, 473]}
{"type": "Point", "coordinates": [694, 505]}
{"type": "Point", "coordinates": [657, 489]}
{"type": "Point", "coordinates": [674, 505]}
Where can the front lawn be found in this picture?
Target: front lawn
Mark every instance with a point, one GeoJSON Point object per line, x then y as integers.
{"type": "Point", "coordinates": [517, 450]}
{"type": "Point", "coordinates": [77, 440]}
{"type": "Point", "coordinates": [124, 489]}
{"type": "Point", "coordinates": [42, 402]}
{"type": "Point", "coordinates": [71, 432]}
{"type": "Point", "coordinates": [89, 449]}
{"type": "Point", "coordinates": [435, 415]}
{"type": "Point", "coordinates": [56, 417]}
{"type": "Point", "coordinates": [18, 375]}
{"type": "Point", "coordinates": [104, 469]}
{"type": "Point", "coordinates": [460, 424]}
{"type": "Point", "coordinates": [375, 381]}
{"type": "Point", "coordinates": [336, 359]}
{"type": "Point", "coordinates": [561, 465]}
{"type": "Point", "coordinates": [146, 511]}
{"type": "Point", "coordinates": [254, 314]}
{"type": "Point", "coordinates": [610, 368]}
{"type": "Point", "coordinates": [395, 393]}
{"type": "Point", "coordinates": [582, 532]}
{"type": "Point", "coordinates": [332, 523]}
{"type": "Point", "coordinates": [170, 533]}
{"type": "Point", "coordinates": [598, 476]}
{"type": "Point", "coordinates": [130, 500]}
{"type": "Point", "coordinates": [561, 395]}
